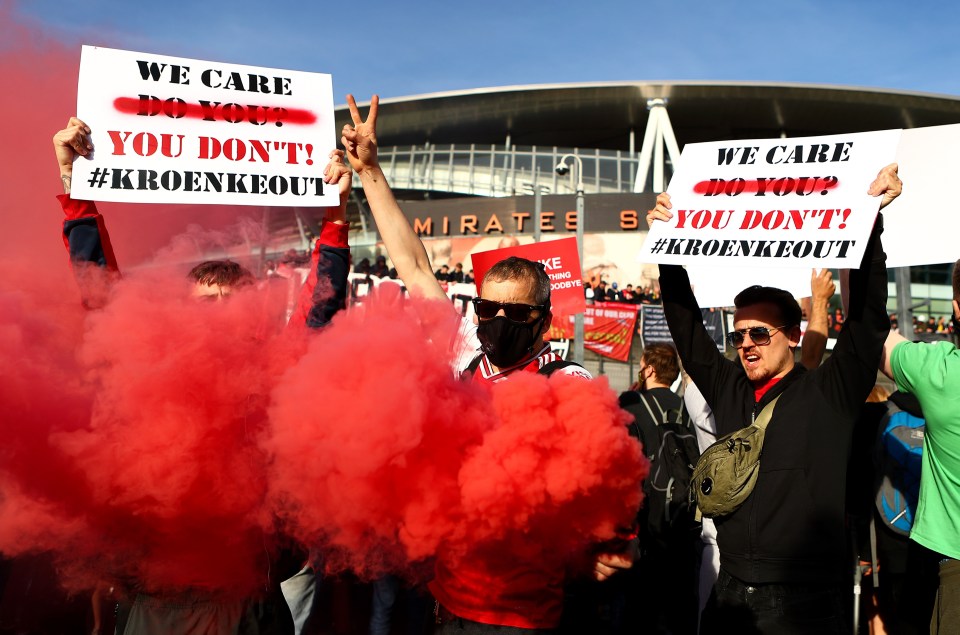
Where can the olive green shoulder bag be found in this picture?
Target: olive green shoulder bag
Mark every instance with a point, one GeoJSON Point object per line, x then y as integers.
{"type": "Point", "coordinates": [727, 471]}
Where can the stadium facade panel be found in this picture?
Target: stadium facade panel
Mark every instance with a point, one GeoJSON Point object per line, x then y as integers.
{"type": "Point", "coordinates": [465, 163]}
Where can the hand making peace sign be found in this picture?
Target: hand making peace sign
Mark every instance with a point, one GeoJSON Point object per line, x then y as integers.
{"type": "Point", "coordinates": [360, 139]}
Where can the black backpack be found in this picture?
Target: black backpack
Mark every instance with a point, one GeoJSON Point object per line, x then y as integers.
{"type": "Point", "coordinates": [673, 453]}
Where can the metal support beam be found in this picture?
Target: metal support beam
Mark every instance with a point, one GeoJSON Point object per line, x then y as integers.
{"type": "Point", "coordinates": [578, 325]}
{"type": "Point", "coordinates": [904, 302]}
{"type": "Point", "coordinates": [658, 135]}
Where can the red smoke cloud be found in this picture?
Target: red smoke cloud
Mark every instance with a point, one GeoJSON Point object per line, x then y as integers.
{"type": "Point", "coordinates": [159, 442]}
{"type": "Point", "coordinates": [44, 68]}
{"type": "Point", "coordinates": [403, 459]}
{"type": "Point", "coordinates": [41, 391]}
{"type": "Point", "coordinates": [129, 449]}
{"type": "Point", "coordinates": [133, 445]}
{"type": "Point", "coordinates": [369, 432]}
{"type": "Point", "coordinates": [153, 441]}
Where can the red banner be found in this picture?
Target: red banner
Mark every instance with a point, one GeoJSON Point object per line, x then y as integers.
{"type": "Point", "coordinates": [608, 329]}
{"type": "Point", "coordinates": [562, 264]}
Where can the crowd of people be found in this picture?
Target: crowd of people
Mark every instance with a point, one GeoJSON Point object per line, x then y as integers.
{"type": "Point", "coordinates": [777, 560]}
{"type": "Point", "coordinates": [599, 291]}
{"type": "Point", "coordinates": [942, 324]}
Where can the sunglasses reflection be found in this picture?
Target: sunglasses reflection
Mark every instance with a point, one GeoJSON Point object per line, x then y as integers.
{"type": "Point", "coordinates": [759, 335]}
{"type": "Point", "coordinates": [513, 311]}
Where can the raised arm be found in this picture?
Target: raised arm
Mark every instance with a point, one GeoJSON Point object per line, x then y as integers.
{"type": "Point", "coordinates": [851, 371]}
{"type": "Point", "coordinates": [325, 290]}
{"type": "Point", "coordinates": [68, 144]}
{"type": "Point", "coordinates": [84, 232]}
{"type": "Point", "coordinates": [403, 245]}
{"type": "Point", "coordinates": [822, 289]}
{"type": "Point", "coordinates": [698, 352]}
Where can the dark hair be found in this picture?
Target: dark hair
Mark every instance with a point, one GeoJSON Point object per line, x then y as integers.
{"type": "Point", "coordinates": [514, 268]}
{"type": "Point", "coordinates": [956, 281]}
{"type": "Point", "coordinates": [221, 272]}
{"type": "Point", "coordinates": [787, 305]}
{"type": "Point", "coordinates": [664, 360]}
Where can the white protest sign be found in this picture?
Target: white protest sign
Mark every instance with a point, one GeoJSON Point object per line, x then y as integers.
{"type": "Point", "coordinates": [175, 130]}
{"type": "Point", "coordinates": [798, 202]}
{"type": "Point", "coordinates": [922, 227]}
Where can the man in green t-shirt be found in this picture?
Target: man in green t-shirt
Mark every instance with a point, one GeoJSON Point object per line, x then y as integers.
{"type": "Point", "coordinates": [931, 371]}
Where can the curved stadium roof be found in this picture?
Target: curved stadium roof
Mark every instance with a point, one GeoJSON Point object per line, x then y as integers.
{"type": "Point", "coordinates": [601, 115]}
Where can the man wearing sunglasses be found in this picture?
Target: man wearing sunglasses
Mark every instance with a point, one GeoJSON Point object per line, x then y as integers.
{"type": "Point", "coordinates": [511, 321]}
{"type": "Point", "coordinates": [512, 318]}
{"type": "Point", "coordinates": [931, 372]}
{"type": "Point", "coordinates": [783, 562]}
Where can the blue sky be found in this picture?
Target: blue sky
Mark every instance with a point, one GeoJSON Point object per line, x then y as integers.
{"type": "Point", "coordinates": [398, 48]}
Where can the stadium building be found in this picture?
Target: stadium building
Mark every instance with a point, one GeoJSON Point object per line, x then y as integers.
{"type": "Point", "coordinates": [472, 167]}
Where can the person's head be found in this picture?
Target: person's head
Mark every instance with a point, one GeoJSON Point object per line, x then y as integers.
{"type": "Point", "coordinates": [215, 279]}
{"type": "Point", "coordinates": [513, 310]}
{"type": "Point", "coordinates": [659, 366]}
{"type": "Point", "coordinates": [766, 331]}
{"type": "Point", "coordinates": [458, 267]}
{"type": "Point", "coordinates": [444, 268]}
{"type": "Point", "coordinates": [508, 241]}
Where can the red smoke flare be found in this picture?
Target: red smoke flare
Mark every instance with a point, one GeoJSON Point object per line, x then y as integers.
{"type": "Point", "coordinates": [403, 459]}
{"type": "Point", "coordinates": [136, 440]}
{"type": "Point", "coordinates": [151, 468]}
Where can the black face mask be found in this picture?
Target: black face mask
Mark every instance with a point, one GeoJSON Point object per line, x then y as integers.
{"type": "Point", "coordinates": [504, 342]}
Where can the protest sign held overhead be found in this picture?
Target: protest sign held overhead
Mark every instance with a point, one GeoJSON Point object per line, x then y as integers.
{"type": "Point", "coordinates": [561, 262]}
{"type": "Point", "coordinates": [773, 203]}
{"type": "Point", "coordinates": [175, 130]}
{"type": "Point", "coordinates": [929, 166]}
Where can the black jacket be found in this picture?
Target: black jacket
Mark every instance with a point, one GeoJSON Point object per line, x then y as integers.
{"type": "Point", "coordinates": [791, 528]}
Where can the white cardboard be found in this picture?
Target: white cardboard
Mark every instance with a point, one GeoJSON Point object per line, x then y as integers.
{"type": "Point", "coordinates": [205, 150]}
{"type": "Point", "coordinates": [760, 220]}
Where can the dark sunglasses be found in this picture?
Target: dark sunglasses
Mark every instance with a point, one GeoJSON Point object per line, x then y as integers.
{"type": "Point", "coordinates": [759, 335]}
{"type": "Point", "coordinates": [515, 312]}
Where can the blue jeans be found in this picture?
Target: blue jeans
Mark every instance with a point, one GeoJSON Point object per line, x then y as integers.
{"type": "Point", "coordinates": [384, 598]}
{"type": "Point", "coordinates": [776, 609]}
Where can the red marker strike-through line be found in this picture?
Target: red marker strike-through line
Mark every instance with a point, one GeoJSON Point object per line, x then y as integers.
{"type": "Point", "coordinates": [215, 111]}
{"type": "Point", "coordinates": [781, 186]}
